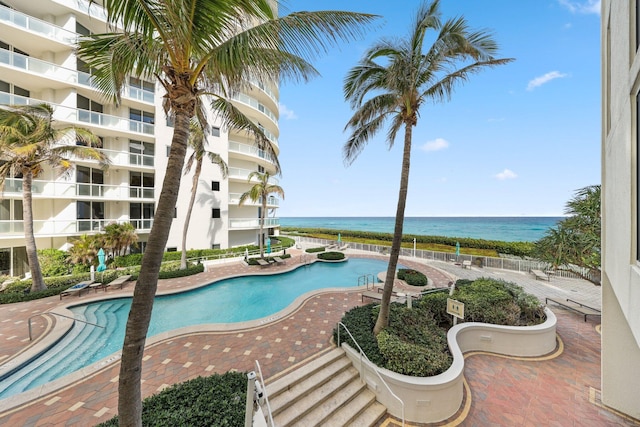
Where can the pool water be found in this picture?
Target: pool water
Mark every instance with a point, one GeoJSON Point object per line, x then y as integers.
{"type": "Point", "coordinates": [226, 301]}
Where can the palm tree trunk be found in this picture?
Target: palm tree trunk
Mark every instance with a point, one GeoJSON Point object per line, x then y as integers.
{"type": "Point", "coordinates": [129, 392]}
{"type": "Point", "coordinates": [383, 316]}
{"type": "Point", "coordinates": [37, 282]}
{"type": "Point", "coordinates": [185, 229]}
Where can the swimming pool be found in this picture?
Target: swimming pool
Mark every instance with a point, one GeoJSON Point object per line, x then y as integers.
{"type": "Point", "coordinates": [226, 301]}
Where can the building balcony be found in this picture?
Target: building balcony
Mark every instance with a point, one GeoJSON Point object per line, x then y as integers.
{"type": "Point", "coordinates": [51, 37]}
{"type": "Point", "coordinates": [271, 94]}
{"type": "Point", "coordinates": [255, 104]}
{"type": "Point", "coordinates": [252, 223]}
{"type": "Point", "coordinates": [251, 152]}
{"type": "Point", "coordinates": [77, 190]}
{"type": "Point", "coordinates": [107, 125]}
{"type": "Point", "coordinates": [44, 228]}
{"type": "Point", "coordinates": [93, 10]}
{"type": "Point", "coordinates": [272, 202]}
{"type": "Point", "coordinates": [47, 75]}
{"type": "Point", "coordinates": [239, 174]}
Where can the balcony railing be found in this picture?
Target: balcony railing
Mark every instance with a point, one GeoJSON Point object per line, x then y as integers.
{"type": "Point", "coordinates": [250, 150]}
{"type": "Point", "coordinates": [60, 189]}
{"type": "Point", "coordinates": [65, 75]}
{"type": "Point", "coordinates": [239, 173]}
{"type": "Point", "coordinates": [234, 199]}
{"type": "Point", "coordinates": [70, 114]}
{"type": "Point", "coordinates": [123, 158]}
{"type": "Point", "coordinates": [44, 29]}
{"type": "Point", "coordinates": [252, 102]}
{"type": "Point", "coordinates": [67, 227]}
{"type": "Point", "coordinates": [248, 223]}
{"type": "Point", "coordinates": [266, 90]}
{"type": "Point", "coordinates": [94, 10]}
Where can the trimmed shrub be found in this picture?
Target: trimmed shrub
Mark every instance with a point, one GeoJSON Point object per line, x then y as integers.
{"type": "Point", "coordinates": [412, 359]}
{"type": "Point", "coordinates": [331, 256]}
{"type": "Point", "coordinates": [218, 400]}
{"type": "Point", "coordinates": [173, 273]}
{"type": "Point", "coordinates": [314, 250]}
{"type": "Point", "coordinates": [412, 277]}
{"type": "Point", "coordinates": [360, 322]}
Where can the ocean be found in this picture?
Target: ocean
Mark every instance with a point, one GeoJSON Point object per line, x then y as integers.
{"type": "Point", "coordinates": [508, 229]}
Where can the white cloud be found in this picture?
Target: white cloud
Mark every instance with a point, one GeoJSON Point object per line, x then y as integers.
{"type": "Point", "coordinates": [586, 6]}
{"type": "Point", "coordinates": [435, 145]}
{"type": "Point", "coordinates": [286, 113]}
{"type": "Point", "coordinates": [539, 81]}
{"type": "Point", "coordinates": [506, 174]}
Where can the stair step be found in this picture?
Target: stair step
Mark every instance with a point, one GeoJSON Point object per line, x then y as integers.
{"type": "Point", "coordinates": [299, 389]}
{"type": "Point", "coordinates": [369, 417]}
{"type": "Point", "coordinates": [347, 395]}
{"type": "Point", "coordinates": [294, 405]}
{"type": "Point", "coordinates": [284, 383]}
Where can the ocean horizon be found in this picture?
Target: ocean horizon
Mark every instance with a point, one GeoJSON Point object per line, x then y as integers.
{"type": "Point", "coordinates": [503, 228]}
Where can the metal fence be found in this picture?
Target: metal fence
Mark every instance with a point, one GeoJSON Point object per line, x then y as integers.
{"type": "Point", "coordinates": [513, 264]}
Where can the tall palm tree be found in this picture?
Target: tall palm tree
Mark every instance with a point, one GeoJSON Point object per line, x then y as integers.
{"type": "Point", "coordinates": [260, 192]}
{"type": "Point", "coordinates": [197, 141]}
{"type": "Point", "coordinates": [29, 141]}
{"type": "Point", "coordinates": [195, 48]}
{"type": "Point", "coordinates": [391, 83]}
{"type": "Point", "coordinates": [119, 237]}
{"type": "Point", "coordinates": [84, 249]}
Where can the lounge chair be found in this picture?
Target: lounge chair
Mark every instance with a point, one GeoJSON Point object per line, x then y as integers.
{"type": "Point", "coordinates": [119, 281]}
{"type": "Point", "coordinates": [263, 263]}
{"type": "Point", "coordinates": [466, 264]}
{"type": "Point", "coordinates": [76, 289]}
{"type": "Point", "coordinates": [541, 275]}
{"type": "Point", "coordinates": [279, 260]}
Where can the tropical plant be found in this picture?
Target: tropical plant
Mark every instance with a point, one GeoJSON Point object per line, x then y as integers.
{"type": "Point", "coordinates": [260, 193]}
{"type": "Point", "coordinates": [197, 48]}
{"type": "Point", "coordinates": [197, 142]}
{"type": "Point", "coordinates": [119, 237]}
{"type": "Point", "coordinates": [574, 244]}
{"type": "Point", "coordinates": [84, 250]}
{"type": "Point", "coordinates": [394, 79]}
{"type": "Point", "coordinates": [30, 141]}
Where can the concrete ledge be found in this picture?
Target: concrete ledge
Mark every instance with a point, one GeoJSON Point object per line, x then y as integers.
{"type": "Point", "coordinates": [437, 398]}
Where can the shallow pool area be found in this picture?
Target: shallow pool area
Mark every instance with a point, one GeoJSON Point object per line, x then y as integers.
{"type": "Point", "coordinates": [227, 301]}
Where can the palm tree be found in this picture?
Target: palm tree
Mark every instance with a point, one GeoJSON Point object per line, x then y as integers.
{"type": "Point", "coordinates": [391, 83]}
{"type": "Point", "coordinates": [260, 193]}
{"type": "Point", "coordinates": [29, 141]}
{"type": "Point", "coordinates": [197, 141]}
{"type": "Point", "coordinates": [84, 249]}
{"type": "Point", "coordinates": [119, 237]}
{"type": "Point", "coordinates": [195, 48]}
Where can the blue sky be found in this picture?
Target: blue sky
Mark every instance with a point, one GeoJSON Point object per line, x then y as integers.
{"type": "Point", "coordinates": [514, 140]}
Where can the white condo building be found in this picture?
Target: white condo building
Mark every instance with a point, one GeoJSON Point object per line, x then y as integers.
{"type": "Point", "coordinates": [620, 35]}
{"type": "Point", "coordinates": [38, 64]}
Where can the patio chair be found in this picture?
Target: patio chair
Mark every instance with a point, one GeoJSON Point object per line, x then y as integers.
{"type": "Point", "coordinates": [119, 281]}
{"type": "Point", "coordinates": [77, 288]}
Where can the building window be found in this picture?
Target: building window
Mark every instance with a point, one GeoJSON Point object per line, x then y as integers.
{"type": "Point", "coordinates": [141, 121]}
{"type": "Point", "coordinates": [90, 215]}
{"type": "Point", "coordinates": [168, 150]}
{"type": "Point", "coordinates": [11, 219]}
{"type": "Point", "coordinates": [215, 185]}
{"type": "Point", "coordinates": [260, 169]}
{"type": "Point", "coordinates": [215, 246]}
{"type": "Point", "coordinates": [89, 111]}
{"type": "Point", "coordinates": [141, 153]}
{"type": "Point", "coordinates": [90, 182]}
{"type": "Point", "coordinates": [141, 215]}
{"type": "Point", "coordinates": [12, 89]}
{"type": "Point", "coordinates": [215, 213]}
{"type": "Point", "coordinates": [215, 131]}
{"type": "Point", "coordinates": [141, 185]}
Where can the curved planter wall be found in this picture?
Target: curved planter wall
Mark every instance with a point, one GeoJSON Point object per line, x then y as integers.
{"type": "Point", "coordinates": [433, 399]}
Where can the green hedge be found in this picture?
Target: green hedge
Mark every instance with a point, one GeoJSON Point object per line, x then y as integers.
{"type": "Point", "coordinates": [331, 256]}
{"type": "Point", "coordinates": [218, 400]}
{"type": "Point", "coordinates": [412, 277]}
{"type": "Point", "coordinates": [521, 249]}
{"type": "Point", "coordinates": [314, 250]}
{"type": "Point", "coordinates": [360, 322]}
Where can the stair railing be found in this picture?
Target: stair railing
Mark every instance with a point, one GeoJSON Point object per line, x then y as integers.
{"type": "Point", "coordinates": [264, 393]}
{"type": "Point", "coordinates": [362, 354]}
{"type": "Point", "coordinates": [256, 397]}
{"type": "Point", "coordinates": [61, 315]}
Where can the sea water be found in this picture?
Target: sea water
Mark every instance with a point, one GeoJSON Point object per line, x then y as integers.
{"type": "Point", "coordinates": [508, 229]}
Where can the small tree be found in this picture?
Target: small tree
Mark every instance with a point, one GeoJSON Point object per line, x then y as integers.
{"type": "Point", "coordinates": [574, 244]}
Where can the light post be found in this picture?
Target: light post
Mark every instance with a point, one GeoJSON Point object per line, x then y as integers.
{"type": "Point", "coordinates": [414, 247]}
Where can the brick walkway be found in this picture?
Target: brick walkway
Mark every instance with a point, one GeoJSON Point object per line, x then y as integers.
{"type": "Point", "coordinates": [505, 392]}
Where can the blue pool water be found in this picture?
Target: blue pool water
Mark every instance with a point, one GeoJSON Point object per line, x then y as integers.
{"type": "Point", "coordinates": [227, 301]}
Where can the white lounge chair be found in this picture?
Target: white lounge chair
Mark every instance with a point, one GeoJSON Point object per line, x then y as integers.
{"type": "Point", "coordinates": [119, 281]}
{"type": "Point", "coordinates": [263, 263]}
{"type": "Point", "coordinates": [279, 260]}
{"type": "Point", "coordinates": [77, 288]}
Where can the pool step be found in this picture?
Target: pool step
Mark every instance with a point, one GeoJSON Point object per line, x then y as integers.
{"type": "Point", "coordinates": [327, 391]}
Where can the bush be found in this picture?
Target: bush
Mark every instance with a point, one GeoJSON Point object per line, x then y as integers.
{"type": "Point", "coordinates": [254, 261]}
{"type": "Point", "coordinates": [314, 250]}
{"type": "Point", "coordinates": [412, 277]}
{"type": "Point", "coordinates": [360, 322]}
{"type": "Point", "coordinates": [53, 262]}
{"type": "Point", "coordinates": [218, 400]}
{"type": "Point", "coordinates": [172, 274]}
{"type": "Point", "coordinates": [331, 256]}
{"type": "Point", "coordinates": [412, 359]}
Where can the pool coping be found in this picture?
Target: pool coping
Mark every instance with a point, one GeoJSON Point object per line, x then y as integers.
{"type": "Point", "coordinates": [62, 326]}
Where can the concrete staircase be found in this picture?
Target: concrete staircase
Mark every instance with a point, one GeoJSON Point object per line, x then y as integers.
{"type": "Point", "coordinates": [325, 392]}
